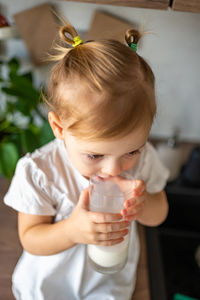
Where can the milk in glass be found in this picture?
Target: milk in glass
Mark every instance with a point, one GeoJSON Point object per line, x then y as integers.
{"type": "Point", "coordinates": [106, 196]}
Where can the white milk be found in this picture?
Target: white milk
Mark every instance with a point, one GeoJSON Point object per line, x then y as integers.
{"type": "Point", "coordinates": [109, 256]}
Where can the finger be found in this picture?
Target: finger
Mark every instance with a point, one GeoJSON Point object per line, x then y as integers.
{"type": "Point", "coordinates": [111, 227]}
{"type": "Point", "coordinates": [135, 203]}
{"type": "Point", "coordinates": [97, 217]}
{"type": "Point", "coordinates": [139, 189]}
{"type": "Point", "coordinates": [131, 217]}
{"type": "Point", "coordinates": [84, 199]}
{"type": "Point", "coordinates": [112, 235]}
{"type": "Point", "coordinates": [129, 202]}
{"type": "Point", "coordinates": [132, 210]}
{"type": "Point", "coordinates": [111, 242]}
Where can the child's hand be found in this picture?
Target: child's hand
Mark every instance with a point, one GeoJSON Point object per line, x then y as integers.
{"type": "Point", "coordinates": [135, 204]}
{"type": "Point", "coordinates": [96, 228]}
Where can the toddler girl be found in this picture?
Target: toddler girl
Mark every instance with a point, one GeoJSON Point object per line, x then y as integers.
{"type": "Point", "coordinates": [102, 104]}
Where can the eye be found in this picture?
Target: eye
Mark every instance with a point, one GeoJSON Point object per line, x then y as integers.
{"type": "Point", "coordinates": [94, 156]}
{"type": "Point", "coordinates": [132, 153]}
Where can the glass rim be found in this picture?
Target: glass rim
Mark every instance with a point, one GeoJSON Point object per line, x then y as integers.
{"type": "Point", "coordinates": [92, 181]}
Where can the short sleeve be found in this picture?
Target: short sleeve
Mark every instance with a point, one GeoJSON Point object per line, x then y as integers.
{"type": "Point", "coordinates": [152, 170]}
{"type": "Point", "coordinates": [30, 191]}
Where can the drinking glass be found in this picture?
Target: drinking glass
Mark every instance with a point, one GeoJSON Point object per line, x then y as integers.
{"type": "Point", "coordinates": [108, 196]}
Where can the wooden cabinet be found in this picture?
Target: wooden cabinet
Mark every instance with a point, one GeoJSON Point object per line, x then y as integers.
{"type": "Point", "coordinates": [186, 5]}
{"type": "Point", "coordinates": [181, 5]}
{"type": "Point", "coordinates": [156, 4]}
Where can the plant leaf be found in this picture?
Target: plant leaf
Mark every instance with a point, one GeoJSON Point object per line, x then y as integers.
{"type": "Point", "coordinates": [28, 76]}
{"type": "Point", "coordinates": [21, 87]}
{"type": "Point", "coordinates": [46, 134]}
{"type": "Point", "coordinates": [29, 141]}
{"type": "Point", "coordinates": [15, 141]}
{"type": "Point", "coordinates": [4, 124]}
{"type": "Point", "coordinates": [8, 159]}
{"type": "Point", "coordinates": [13, 65]}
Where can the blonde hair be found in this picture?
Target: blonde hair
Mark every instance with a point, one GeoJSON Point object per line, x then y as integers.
{"type": "Point", "coordinates": [101, 89]}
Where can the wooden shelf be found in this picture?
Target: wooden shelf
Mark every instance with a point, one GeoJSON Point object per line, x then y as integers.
{"type": "Point", "coordinates": [185, 5]}
{"type": "Point", "coordinates": [156, 4]}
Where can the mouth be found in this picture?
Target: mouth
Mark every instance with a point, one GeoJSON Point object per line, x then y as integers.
{"type": "Point", "coordinates": [102, 178]}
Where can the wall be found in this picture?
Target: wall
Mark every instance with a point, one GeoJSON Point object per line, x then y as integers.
{"type": "Point", "coordinates": [172, 49]}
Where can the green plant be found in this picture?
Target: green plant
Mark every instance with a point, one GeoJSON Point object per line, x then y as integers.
{"type": "Point", "coordinates": [23, 126]}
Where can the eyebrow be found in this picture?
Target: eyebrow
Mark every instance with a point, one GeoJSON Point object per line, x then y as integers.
{"type": "Point", "coordinates": [95, 153]}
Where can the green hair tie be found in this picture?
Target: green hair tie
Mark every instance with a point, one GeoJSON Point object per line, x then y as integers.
{"type": "Point", "coordinates": [133, 46]}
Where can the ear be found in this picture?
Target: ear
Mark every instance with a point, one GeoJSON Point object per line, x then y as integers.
{"type": "Point", "coordinates": [56, 125]}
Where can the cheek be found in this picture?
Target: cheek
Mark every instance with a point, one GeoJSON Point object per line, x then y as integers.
{"type": "Point", "coordinates": [75, 160]}
{"type": "Point", "coordinates": [86, 169]}
{"type": "Point", "coordinates": [130, 163]}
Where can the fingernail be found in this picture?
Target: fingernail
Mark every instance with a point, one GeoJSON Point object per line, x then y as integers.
{"type": "Point", "coordinates": [126, 232]}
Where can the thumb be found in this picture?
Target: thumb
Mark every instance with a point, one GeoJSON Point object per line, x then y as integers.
{"type": "Point", "coordinates": [84, 199]}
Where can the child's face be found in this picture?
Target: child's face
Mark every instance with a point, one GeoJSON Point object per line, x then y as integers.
{"type": "Point", "coordinates": [107, 157]}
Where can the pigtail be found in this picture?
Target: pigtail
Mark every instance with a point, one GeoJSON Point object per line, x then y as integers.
{"type": "Point", "coordinates": [132, 37]}
{"type": "Point", "coordinates": [68, 35]}
{"type": "Point", "coordinates": [68, 30]}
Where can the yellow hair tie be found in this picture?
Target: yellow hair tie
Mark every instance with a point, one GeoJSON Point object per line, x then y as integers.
{"type": "Point", "coordinates": [77, 41]}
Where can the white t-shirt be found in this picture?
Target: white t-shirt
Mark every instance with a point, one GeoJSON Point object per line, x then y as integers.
{"type": "Point", "coordinates": [46, 183]}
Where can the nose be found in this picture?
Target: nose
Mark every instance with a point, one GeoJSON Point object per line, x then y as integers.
{"type": "Point", "coordinates": [112, 168]}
